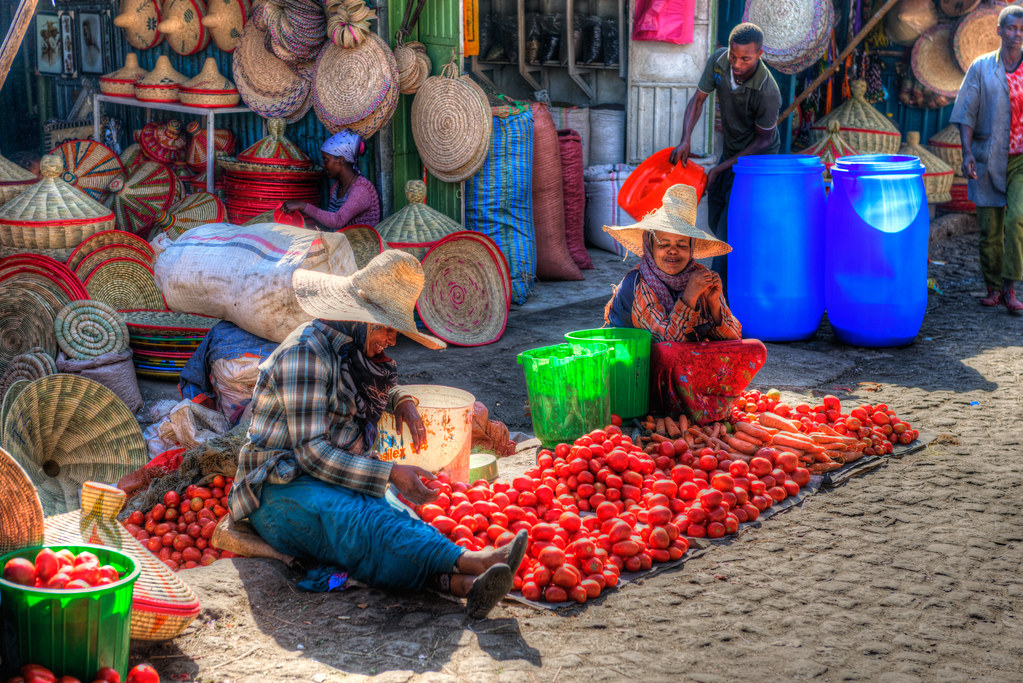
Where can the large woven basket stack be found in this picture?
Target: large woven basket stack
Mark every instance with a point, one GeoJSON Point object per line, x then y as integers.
{"type": "Point", "coordinates": [163, 341]}
{"type": "Point", "coordinates": [13, 180]}
{"type": "Point", "coordinates": [937, 174]}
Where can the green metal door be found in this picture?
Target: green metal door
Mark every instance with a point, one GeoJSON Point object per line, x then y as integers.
{"type": "Point", "coordinates": [440, 29]}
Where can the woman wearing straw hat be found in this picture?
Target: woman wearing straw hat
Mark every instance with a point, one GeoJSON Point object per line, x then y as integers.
{"type": "Point", "coordinates": [699, 362]}
{"type": "Point", "coordinates": [308, 479]}
{"type": "Point", "coordinates": [989, 112]}
{"type": "Point", "coordinates": [353, 198]}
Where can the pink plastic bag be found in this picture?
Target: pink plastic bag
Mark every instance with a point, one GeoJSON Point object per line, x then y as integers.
{"type": "Point", "coordinates": [670, 21]}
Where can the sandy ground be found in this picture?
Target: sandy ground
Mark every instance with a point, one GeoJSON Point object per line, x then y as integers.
{"type": "Point", "coordinates": [910, 572]}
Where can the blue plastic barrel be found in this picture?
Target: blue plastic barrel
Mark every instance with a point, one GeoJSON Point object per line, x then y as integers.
{"type": "Point", "coordinates": [776, 229]}
{"type": "Point", "coordinates": [875, 266]}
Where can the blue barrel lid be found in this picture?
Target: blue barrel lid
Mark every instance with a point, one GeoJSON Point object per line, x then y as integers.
{"type": "Point", "coordinates": [872, 164]}
{"type": "Point", "coordinates": [779, 163]}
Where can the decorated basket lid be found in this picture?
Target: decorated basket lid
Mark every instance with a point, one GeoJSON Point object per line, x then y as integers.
{"type": "Point", "coordinates": [831, 147]}
{"type": "Point", "coordinates": [225, 21]}
{"type": "Point", "coordinates": [937, 174]}
{"type": "Point", "coordinates": [161, 84]}
{"type": "Point", "coordinates": [138, 19]}
{"type": "Point", "coordinates": [163, 141]}
{"type": "Point", "coordinates": [52, 202]}
{"type": "Point", "coordinates": [223, 145]}
{"type": "Point", "coordinates": [89, 166]}
{"type": "Point", "coordinates": [275, 149]}
{"type": "Point", "coordinates": [947, 145]}
{"type": "Point", "coordinates": [13, 179]}
{"type": "Point", "coordinates": [121, 83]}
{"type": "Point", "coordinates": [208, 78]}
{"type": "Point", "coordinates": [132, 156]}
{"type": "Point", "coordinates": [138, 198]}
{"type": "Point", "coordinates": [198, 208]}
{"type": "Point", "coordinates": [416, 227]}
{"type": "Point", "coordinates": [209, 88]}
{"type": "Point", "coordinates": [183, 27]}
{"type": "Point", "coordinates": [863, 126]}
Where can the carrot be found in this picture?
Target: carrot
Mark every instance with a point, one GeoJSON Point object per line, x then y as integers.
{"type": "Point", "coordinates": [821, 457]}
{"type": "Point", "coordinates": [827, 439]}
{"type": "Point", "coordinates": [752, 430]}
{"type": "Point", "coordinates": [821, 467]}
{"type": "Point", "coordinates": [658, 438]}
{"type": "Point", "coordinates": [651, 448]}
{"type": "Point", "coordinates": [850, 456]}
{"type": "Point", "coordinates": [659, 426]}
{"type": "Point", "coordinates": [740, 445]}
{"type": "Point", "coordinates": [783, 439]}
{"type": "Point", "coordinates": [743, 436]}
{"type": "Point", "coordinates": [671, 428]}
{"type": "Point", "coordinates": [683, 423]}
{"type": "Point", "coordinates": [778, 422]}
{"type": "Point", "coordinates": [828, 429]}
{"type": "Point", "coordinates": [790, 449]}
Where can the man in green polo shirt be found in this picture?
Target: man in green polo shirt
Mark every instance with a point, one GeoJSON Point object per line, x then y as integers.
{"type": "Point", "coordinates": [749, 100]}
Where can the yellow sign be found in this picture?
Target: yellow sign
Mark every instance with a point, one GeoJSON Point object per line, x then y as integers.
{"type": "Point", "coordinates": [471, 14]}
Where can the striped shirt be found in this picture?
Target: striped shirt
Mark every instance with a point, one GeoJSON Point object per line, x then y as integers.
{"type": "Point", "coordinates": [302, 423]}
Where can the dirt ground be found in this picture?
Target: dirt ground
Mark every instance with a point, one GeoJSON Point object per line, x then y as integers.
{"type": "Point", "coordinates": [910, 572]}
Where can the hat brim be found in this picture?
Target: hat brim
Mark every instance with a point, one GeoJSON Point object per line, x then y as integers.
{"type": "Point", "coordinates": [334, 297]}
{"type": "Point", "coordinates": [631, 237]}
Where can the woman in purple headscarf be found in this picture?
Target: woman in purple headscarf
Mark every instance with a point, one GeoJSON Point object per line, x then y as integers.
{"type": "Point", "coordinates": [353, 199]}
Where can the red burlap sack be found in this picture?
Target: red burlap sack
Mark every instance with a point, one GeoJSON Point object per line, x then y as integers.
{"type": "Point", "coordinates": [570, 144]}
{"type": "Point", "coordinates": [553, 262]}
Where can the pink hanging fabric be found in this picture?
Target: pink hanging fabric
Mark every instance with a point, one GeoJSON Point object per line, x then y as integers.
{"type": "Point", "coordinates": [669, 21]}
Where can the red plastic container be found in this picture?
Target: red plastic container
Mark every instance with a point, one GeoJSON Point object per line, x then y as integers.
{"type": "Point", "coordinates": [643, 191]}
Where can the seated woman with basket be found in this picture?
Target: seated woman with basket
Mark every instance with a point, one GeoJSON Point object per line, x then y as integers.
{"type": "Point", "coordinates": [309, 480]}
{"type": "Point", "coordinates": [353, 198]}
{"type": "Point", "coordinates": [699, 362]}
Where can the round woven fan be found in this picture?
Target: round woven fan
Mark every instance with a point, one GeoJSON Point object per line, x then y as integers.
{"type": "Point", "coordinates": [65, 430]}
{"type": "Point", "coordinates": [352, 83]}
{"type": "Point", "coordinates": [86, 329]}
{"type": "Point", "coordinates": [139, 198]}
{"type": "Point", "coordinates": [26, 321]}
{"type": "Point", "coordinates": [365, 242]}
{"type": "Point", "coordinates": [463, 300]}
{"type": "Point", "coordinates": [107, 238]}
{"type": "Point", "coordinates": [102, 254]}
{"type": "Point", "coordinates": [124, 283]}
{"type": "Point", "coordinates": [21, 515]}
{"type": "Point", "coordinates": [89, 166]}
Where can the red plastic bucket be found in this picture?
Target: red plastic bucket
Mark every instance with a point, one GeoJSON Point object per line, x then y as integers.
{"type": "Point", "coordinates": [643, 191]}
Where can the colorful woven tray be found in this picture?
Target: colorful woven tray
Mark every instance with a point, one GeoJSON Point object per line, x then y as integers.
{"type": "Point", "coordinates": [50, 267]}
{"type": "Point", "coordinates": [89, 166]}
{"type": "Point", "coordinates": [97, 257]}
{"type": "Point", "coordinates": [124, 283]}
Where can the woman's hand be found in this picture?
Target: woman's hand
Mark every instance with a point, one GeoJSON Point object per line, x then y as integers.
{"type": "Point", "coordinates": [713, 295]}
{"type": "Point", "coordinates": [697, 285]}
{"type": "Point", "coordinates": [406, 479]}
{"type": "Point", "coordinates": [406, 413]}
{"type": "Point", "coordinates": [293, 205]}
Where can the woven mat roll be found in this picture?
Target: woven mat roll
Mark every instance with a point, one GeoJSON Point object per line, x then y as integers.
{"type": "Point", "coordinates": [351, 83]}
{"type": "Point", "coordinates": [30, 366]}
{"type": "Point", "coordinates": [86, 329]}
{"type": "Point", "coordinates": [124, 283]}
{"type": "Point", "coordinates": [451, 123]}
{"type": "Point", "coordinates": [26, 321]}
{"type": "Point", "coordinates": [65, 430]}
{"type": "Point", "coordinates": [21, 515]}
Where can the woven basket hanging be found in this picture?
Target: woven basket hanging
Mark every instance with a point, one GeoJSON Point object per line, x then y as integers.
{"type": "Point", "coordinates": [416, 227]}
{"type": "Point", "coordinates": [51, 214]}
{"type": "Point", "coordinates": [976, 34]}
{"type": "Point", "coordinates": [139, 19]}
{"type": "Point", "coordinates": [831, 147]}
{"type": "Point", "coordinates": [957, 8]}
{"type": "Point", "coordinates": [796, 32]}
{"type": "Point", "coordinates": [121, 83]}
{"type": "Point", "coordinates": [194, 210]}
{"type": "Point", "coordinates": [267, 85]}
{"type": "Point", "coordinates": [26, 322]}
{"type": "Point", "coordinates": [414, 68]}
{"type": "Point", "coordinates": [947, 145]}
{"type": "Point", "coordinates": [934, 63]}
{"type": "Point", "coordinates": [908, 19]}
{"type": "Point", "coordinates": [89, 166]}
{"type": "Point", "coordinates": [105, 239]}
{"type": "Point", "coordinates": [28, 366]}
{"type": "Point", "coordinates": [451, 125]}
{"type": "Point", "coordinates": [296, 29]}
{"type": "Point", "coordinates": [863, 126]}
{"type": "Point", "coordinates": [86, 329]}
{"type": "Point", "coordinates": [937, 174]}
{"type": "Point", "coordinates": [21, 515]}
{"type": "Point", "coordinates": [356, 86]}
{"type": "Point", "coordinates": [161, 84]}
{"type": "Point", "coordinates": [13, 180]}
{"type": "Point", "coordinates": [209, 88]}
{"type": "Point", "coordinates": [138, 199]}
{"type": "Point", "coordinates": [162, 604]}
{"type": "Point", "coordinates": [183, 27]}
{"type": "Point", "coordinates": [124, 283]}
{"type": "Point", "coordinates": [65, 430]}
{"type": "Point", "coordinates": [463, 300]}
{"type": "Point", "coordinates": [225, 21]}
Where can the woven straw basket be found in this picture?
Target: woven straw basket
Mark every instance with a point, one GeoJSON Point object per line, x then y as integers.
{"type": "Point", "coordinates": [351, 85]}
{"type": "Point", "coordinates": [89, 166]}
{"type": "Point", "coordinates": [27, 367]}
{"type": "Point", "coordinates": [12, 392]}
{"type": "Point", "coordinates": [365, 242]}
{"type": "Point", "coordinates": [51, 214]}
{"type": "Point", "coordinates": [138, 19]}
{"type": "Point", "coordinates": [104, 239]}
{"type": "Point", "coordinates": [225, 21]}
{"type": "Point", "coordinates": [138, 199]}
{"type": "Point", "coordinates": [863, 126]}
{"type": "Point", "coordinates": [906, 21]}
{"type": "Point", "coordinates": [161, 84]}
{"type": "Point", "coordinates": [296, 29]}
{"type": "Point", "coordinates": [121, 83]}
{"type": "Point", "coordinates": [416, 227]}
{"type": "Point", "coordinates": [796, 32]}
{"type": "Point", "coordinates": [934, 63]}
{"type": "Point", "coordinates": [124, 283]}
{"type": "Point", "coordinates": [163, 141]}
{"type": "Point", "coordinates": [267, 84]}
{"type": "Point", "coordinates": [275, 149]}
{"type": "Point", "coordinates": [65, 430]}
{"type": "Point", "coordinates": [94, 258]}
{"type": "Point", "coordinates": [209, 88]}
{"type": "Point", "coordinates": [183, 27]}
{"type": "Point", "coordinates": [937, 174]}
{"type": "Point", "coordinates": [223, 145]}
{"type": "Point", "coordinates": [947, 145]}
{"type": "Point", "coordinates": [451, 125]}
{"type": "Point", "coordinates": [831, 147]}
{"type": "Point", "coordinates": [976, 35]}
{"type": "Point", "coordinates": [194, 210]}
{"type": "Point", "coordinates": [162, 604]}
{"type": "Point", "coordinates": [21, 515]}
{"type": "Point", "coordinates": [957, 8]}
{"type": "Point", "coordinates": [52, 269]}
{"type": "Point", "coordinates": [13, 180]}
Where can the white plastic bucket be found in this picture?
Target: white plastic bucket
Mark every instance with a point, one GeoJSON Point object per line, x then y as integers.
{"type": "Point", "coordinates": [447, 416]}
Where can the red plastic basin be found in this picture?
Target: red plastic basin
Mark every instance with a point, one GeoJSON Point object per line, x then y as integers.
{"type": "Point", "coordinates": [643, 191]}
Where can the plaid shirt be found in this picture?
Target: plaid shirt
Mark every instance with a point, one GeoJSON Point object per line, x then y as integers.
{"type": "Point", "coordinates": [302, 425]}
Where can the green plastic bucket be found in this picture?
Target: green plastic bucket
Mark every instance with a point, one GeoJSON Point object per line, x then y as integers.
{"type": "Point", "coordinates": [569, 390]}
{"type": "Point", "coordinates": [70, 632]}
{"type": "Point", "coordinates": [629, 364]}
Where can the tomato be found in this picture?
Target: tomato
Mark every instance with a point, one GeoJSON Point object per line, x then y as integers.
{"type": "Point", "coordinates": [711, 498]}
{"type": "Point", "coordinates": [757, 487]}
{"type": "Point", "coordinates": [722, 482]}
{"type": "Point", "coordinates": [787, 462]}
{"type": "Point", "coordinates": [551, 557]}
{"type": "Point", "coordinates": [530, 591]}
{"type": "Point", "coordinates": [137, 518]}
{"type": "Point", "coordinates": [659, 538]}
{"type": "Point", "coordinates": [566, 576]}
{"type": "Point", "coordinates": [171, 499]}
{"type": "Point", "coordinates": [760, 465]}
{"type": "Point", "coordinates": [64, 679]}
{"type": "Point", "coordinates": [444, 524]}
{"type": "Point", "coordinates": [708, 463]}
{"type": "Point", "coordinates": [791, 487]}
{"type": "Point", "coordinates": [143, 673]}
{"type": "Point", "coordinates": [570, 522]}
{"type": "Point", "coordinates": [618, 531]}
{"type": "Point", "coordinates": [20, 571]}
{"type": "Point", "coordinates": [40, 672]}
{"type": "Point", "coordinates": [801, 476]}
{"type": "Point", "coordinates": [715, 530]}
{"type": "Point", "coordinates": [555, 594]}
{"type": "Point", "coordinates": [108, 674]}
{"type": "Point", "coordinates": [618, 460]}
{"type": "Point", "coordinates": [777, 493]}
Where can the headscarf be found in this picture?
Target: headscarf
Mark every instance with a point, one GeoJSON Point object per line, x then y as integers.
{"type": "Point", "coordinates": [371, 378]}
{"type": "Point", "coordinates": [346, 144]}
{"type": "Point", "coordinates": [666, 287]}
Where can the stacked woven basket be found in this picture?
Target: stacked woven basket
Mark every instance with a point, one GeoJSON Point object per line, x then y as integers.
{"type": "Point", "coordinates": [208, 89]}
{"type": "Point", "coordinates": [416, 227]}
{"type": "Point", "coordinates": [163, 341]}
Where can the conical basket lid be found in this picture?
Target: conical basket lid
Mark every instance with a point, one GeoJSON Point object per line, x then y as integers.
{"type": "Point", "coordinates": [11, 172]}
{"type": "Point", "coordinates": [65, 430]}
{"type": "Point", "coordinates": [831, 147]}
{"type": "Point", "coordinates": [163, 73]}
{"type": "Point", "coordinates": [209, 78]}
{"type": "Point", "coordinates": [163, 141]}
{"type": "Point", "coordinates": [416, 223]}
{"type": "Point", "coordinates": [129, 73]}
{"type": "Point", "coordinates": [52, 201]}
{"type": "Point", "coordinates": [224, 143]}
{"type": "Point", "coordinates": [856, 114]}
{"type": "Point", "coordinates": [194, 210]}
{"type": "Point", "coordinates": [21, 514]}
{"type": "Point", "coordinates": [139, 198]}
{"type": "Point", "coordinates": [225, 21]}
{"type": "Point", "coordinates": [938, 175]}
{"type": "Point", "coordinates": [275, 149]}
{"type": "Point", "coordinates": [183, 27]}
{"type": "Point", "coordinates": [89, 166]}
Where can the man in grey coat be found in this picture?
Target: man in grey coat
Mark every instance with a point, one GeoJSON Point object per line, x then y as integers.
{"type": "Point", "coordinates": [989, 113]}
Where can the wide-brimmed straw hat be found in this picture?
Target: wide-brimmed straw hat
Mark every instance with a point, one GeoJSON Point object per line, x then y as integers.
{"type": "Point", "coordinates": [384, 292]}
{"type": "Point", "coordinates": [677, 215]}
